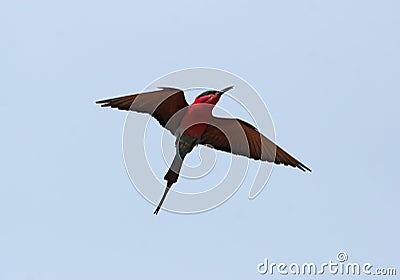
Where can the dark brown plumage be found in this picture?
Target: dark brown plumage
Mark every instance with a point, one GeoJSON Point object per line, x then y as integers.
{"type": "Point", "coordinates": [244, 139]}
{"type": "Point", "coordinates": [241, 138]}
{"type": "Point", "coordinates": [162, 104]}
{"type": "Point", "coordinates": [194, 124]}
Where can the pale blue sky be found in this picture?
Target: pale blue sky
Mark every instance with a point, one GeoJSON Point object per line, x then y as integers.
{"type": "Point", "coordinates": [328, 71]}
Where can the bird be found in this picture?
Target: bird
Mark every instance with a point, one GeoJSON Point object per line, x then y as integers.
{"type": "Point", "coordinates": [194, 124]}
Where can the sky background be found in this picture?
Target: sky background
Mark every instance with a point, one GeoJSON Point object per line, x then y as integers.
{"type": "Point", "coordinates": [328, 71]}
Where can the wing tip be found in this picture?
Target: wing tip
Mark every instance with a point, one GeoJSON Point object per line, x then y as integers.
{"type": "Point", "coordinates": [303, 167]}
{"type": "Point", "coordinates": [102, 101]}
{"type": "Point", "coordinates": [296, 164]}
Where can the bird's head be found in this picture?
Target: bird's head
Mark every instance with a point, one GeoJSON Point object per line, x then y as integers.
{"type": "Point", "coordinates": [211, 96]}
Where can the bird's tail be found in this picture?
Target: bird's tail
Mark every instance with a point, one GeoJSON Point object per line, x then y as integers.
{"type": "Point", "coordinates": [171, 177]}
{"type": "Point", "coordinates": [173, 172]}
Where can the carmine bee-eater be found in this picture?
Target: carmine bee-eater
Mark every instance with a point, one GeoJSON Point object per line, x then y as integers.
{"type": "Point", "coordinates": [194, 124]}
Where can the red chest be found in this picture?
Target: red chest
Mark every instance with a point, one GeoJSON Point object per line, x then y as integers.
{"type": "Point", "coordinates": [198, 116]}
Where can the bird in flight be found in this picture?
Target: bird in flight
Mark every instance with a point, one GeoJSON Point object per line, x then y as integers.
{"type": "Point", "coordinates": [194, 124]}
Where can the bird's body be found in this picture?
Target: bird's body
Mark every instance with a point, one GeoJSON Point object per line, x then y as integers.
{"type": "Point", "coordinates": [194, 124]}
{"type": "Point", "coordinates": [198, 115]}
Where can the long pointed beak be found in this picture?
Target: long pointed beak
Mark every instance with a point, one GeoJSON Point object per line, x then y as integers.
{"type": "Point", "coordinates": [222, 91]}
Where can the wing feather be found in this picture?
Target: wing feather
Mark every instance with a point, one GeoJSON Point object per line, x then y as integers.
{"type": "Point", "coordinates": [241, 138]}
{"type": "Point", "coordinates": [166, 105]}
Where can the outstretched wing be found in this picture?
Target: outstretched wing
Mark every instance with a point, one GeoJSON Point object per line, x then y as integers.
{"type": "Point", "coordinates": [166, 105]}
{"type": "Point", "coordinates": [241, 138]}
